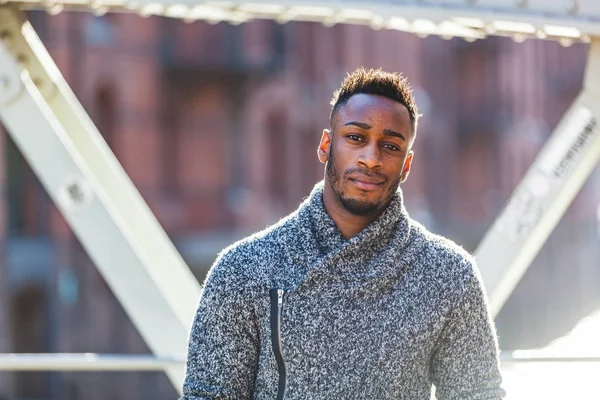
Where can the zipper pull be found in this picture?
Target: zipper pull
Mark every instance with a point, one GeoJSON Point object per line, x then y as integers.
{"type": "Point", "coordinates": [280, 293]}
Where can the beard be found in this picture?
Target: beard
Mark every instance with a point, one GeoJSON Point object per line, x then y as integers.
{"type": "Point", "coordinates": [355, 206]}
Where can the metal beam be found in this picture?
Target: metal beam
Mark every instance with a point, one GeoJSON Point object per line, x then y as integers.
{"type": "Point", "coordinates": [128, 362]}
{"type": "Point", "coordinates": [94, 194]}
{"type": "Point", "coordinates": [542, 356]}
{"type": "Point", "coordinates": [87, 362]}
{"type": "Point", "coordinates": [545, 192]}
{"type": "Point", "coordinates": [557, 20]}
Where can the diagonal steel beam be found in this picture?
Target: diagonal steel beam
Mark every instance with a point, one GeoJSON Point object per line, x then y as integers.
{"type": "Point", "coordinates": [92, 191]}
{"type": "Point", "coordinates": [544, 194]}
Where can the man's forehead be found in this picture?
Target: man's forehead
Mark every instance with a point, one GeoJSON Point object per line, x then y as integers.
{"type": "Point", "coordinates": [370, 106]}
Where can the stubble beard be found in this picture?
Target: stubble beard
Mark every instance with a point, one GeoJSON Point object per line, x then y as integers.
{"type": "Point", "coordinates": [356, 206]}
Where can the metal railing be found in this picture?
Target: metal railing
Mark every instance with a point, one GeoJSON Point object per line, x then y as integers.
{"type": "Point", "coordinates": [87, 362]}
{"type": "Point", "coordinates": [541, 356]}
{"type": "Point", "coordinates": [141, 362]}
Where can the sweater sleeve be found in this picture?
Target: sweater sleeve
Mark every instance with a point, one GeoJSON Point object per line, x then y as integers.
{"type": "Point", "coordinates": [223, 343]}
{"type": "Point", "coordinates": [465, 364]}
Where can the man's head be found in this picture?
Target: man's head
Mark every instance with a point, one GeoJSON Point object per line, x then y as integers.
{"type": "Point", "coordinates": [367, 149]}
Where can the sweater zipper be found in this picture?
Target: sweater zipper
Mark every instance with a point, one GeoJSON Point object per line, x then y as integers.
{"type": "Point", "coordinates": [276, 296]}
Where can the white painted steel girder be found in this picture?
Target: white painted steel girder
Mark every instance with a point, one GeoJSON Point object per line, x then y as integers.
{"type": "Point", "coordinates": [87, 362]}
{"type": "Point", "coordinates": [94, 194]}
{"type": "Point", "coordinates": [137, 362]}
{"type": "Point", "coordinates": [544, 194]}
{"type": "Point", "coordinates": [563, 20]}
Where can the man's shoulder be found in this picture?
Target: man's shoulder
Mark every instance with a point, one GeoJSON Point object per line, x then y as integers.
{"type": "Point", "coordinates": [261, 242]}
{"type": "Point", "coordinates": [250, 257]}
{"type": "Point", "coordinates": [441, 246]}
{"type": "Point", "coordinates": [445, 255]}
{"type": "Point", "coordinates": [445, 265]}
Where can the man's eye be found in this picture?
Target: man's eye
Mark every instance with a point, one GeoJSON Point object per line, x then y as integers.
{"type": "Point", "coordinates": [354, 137]}
{"type": "Point", "coordinates": [391, 147]}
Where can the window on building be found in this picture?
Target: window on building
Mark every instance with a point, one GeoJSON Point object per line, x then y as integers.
{"type": "Point", "coordinates": [28, 204]}
{"type": "Point", "coordinates": [39, 21]}
{"type": "Point", "coordinates": [101, 30]}
{"type": "Point", "coordinates": [105, 114]}
{"type": "Point", "coordinates": [277, 139]}
{"type": "Point", "coordinates": [28, 313]}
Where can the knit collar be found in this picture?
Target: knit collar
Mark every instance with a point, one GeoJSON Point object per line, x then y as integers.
{"type": "Point", "coordinates": [374, 252]}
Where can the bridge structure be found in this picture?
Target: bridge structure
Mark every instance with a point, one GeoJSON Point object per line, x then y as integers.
{"type": "Point", "coordinates": [128, 245]}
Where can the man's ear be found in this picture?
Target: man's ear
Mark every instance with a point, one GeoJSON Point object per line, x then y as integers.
{"type": "Point", "coordinates": [324, 146]}
{"type": "Point", "coordinates": [407, 164]}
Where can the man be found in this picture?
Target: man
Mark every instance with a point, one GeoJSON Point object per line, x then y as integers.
{"type": "Point", "coordinates": [347, 297]}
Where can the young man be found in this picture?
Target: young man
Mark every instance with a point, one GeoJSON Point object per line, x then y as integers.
{"type": "Point", "coordinates": [347, 297]}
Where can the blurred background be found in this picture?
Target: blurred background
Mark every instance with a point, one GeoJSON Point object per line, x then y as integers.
{"type": "Point", "coordinates": [218, 124]}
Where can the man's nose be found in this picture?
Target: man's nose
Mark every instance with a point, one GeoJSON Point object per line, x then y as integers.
{"type": "Point", "coordinates": [370, 157]}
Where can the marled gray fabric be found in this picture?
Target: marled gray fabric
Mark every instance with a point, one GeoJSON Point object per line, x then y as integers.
{"type": "Point", "coordinates": [383, 315]}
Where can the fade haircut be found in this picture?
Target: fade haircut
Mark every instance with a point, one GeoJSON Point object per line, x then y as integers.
{"type": "Point", "coordinates": [376, 81]}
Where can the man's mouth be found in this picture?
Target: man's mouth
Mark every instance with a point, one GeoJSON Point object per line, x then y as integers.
{"type": "Point", "coordinates": [366, 182]}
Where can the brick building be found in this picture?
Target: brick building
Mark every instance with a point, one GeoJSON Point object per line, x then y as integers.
{"type": "Point", "coordinates": [217, 125]}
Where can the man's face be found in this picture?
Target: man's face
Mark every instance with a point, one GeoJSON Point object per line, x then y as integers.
{"type": "Point", "coordinates": [367, 152]}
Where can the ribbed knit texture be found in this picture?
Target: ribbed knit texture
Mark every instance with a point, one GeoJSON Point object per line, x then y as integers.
{"type": "Point", "coordinates": [383, 315]}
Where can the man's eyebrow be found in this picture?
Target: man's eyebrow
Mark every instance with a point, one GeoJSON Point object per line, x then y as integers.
{"type": "Point", "coordinates": [361, 125]}
{"type": "Point", "coordinates": [389, 132]}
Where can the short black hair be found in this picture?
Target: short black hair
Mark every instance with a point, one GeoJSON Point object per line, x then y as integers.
{"type": "Point", "coordinates": [376, 81]}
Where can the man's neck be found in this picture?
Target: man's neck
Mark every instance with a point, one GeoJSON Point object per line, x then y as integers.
{"type": "Point", "coordinates": [347, 223]}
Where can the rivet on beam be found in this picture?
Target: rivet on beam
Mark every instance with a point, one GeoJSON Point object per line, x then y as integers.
{"type": "Point", "coordinates": [4, 83]}
{"type": "Point", "coordinates": [54, 9]}
{"type": "Point", "coordinates": [574, 8]}
{"type": "Point", "coordinates": [565, 42]}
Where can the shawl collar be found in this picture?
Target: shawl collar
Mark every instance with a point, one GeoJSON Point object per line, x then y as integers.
{"type": "Point", "coordinates": [378, 251]}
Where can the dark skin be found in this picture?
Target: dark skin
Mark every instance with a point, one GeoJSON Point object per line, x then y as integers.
{"type": "Point", "coordinates": [367, 154]}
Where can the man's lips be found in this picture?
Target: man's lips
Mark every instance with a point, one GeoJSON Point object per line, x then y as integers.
{"type": "Point", "coordinates": [366, 182]}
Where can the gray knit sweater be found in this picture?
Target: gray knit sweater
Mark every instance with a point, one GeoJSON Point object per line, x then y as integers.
{"type": "Point", "coordinates": [383, 315]}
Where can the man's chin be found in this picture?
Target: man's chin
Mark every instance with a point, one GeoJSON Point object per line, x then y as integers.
{"type": "Point", "coordinates": [360, 207]}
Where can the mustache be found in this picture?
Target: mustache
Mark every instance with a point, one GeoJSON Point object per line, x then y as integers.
{"type": "Point", "coordinates": [367, 172]}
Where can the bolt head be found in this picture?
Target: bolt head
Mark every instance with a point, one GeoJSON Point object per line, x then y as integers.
{"type": "Point", "coordinates": [4, 83]}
